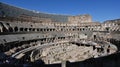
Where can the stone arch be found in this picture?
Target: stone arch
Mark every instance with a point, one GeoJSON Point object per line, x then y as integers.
{"type": "Point", "coordinates": [30, 29]}
{"type": "Point", "coordinates": [79, 29]}
{"type": "Point", "coordinates": [61, 29]}
{"type": "Point", "coordinates": [38, 29]}
{"type": "Point", "coordinates": [44, 29]}
{"type": "Point", "coordinates": [53, 29]}
{"type": "Point", "coordinates": [26, 29]}
{"type": "Point", "coordinates": [16, 29]}
{"type": "Point", "coordinates": [21, 29]}
{"type": "Point", "coordinates": [83, 29]}
{"type": "Point", "coordinates": [4, 29]}
{"type": "Point", "coordinates": [41, 29]}
{"type": "Point", "coordinates": [33, 29]}
{"type": "Point", "coordinates": [92, 29]}
{"type": "Point", "coordinates": [47, 29]}
{"type": "Point", "coordinates": [50, 29]}
{"type": "Point", "coordinates": [11, 29]}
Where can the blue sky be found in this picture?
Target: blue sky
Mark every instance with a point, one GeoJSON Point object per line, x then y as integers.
{"type": "Point", "coordinates": [100, 10]}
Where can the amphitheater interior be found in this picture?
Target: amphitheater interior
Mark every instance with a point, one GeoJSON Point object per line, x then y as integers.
{"type": "Point", "coordinates": [29, 37]}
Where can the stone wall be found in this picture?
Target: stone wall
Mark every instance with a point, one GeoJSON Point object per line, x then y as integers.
{"type": "Point", "coordinates": [80, 19]}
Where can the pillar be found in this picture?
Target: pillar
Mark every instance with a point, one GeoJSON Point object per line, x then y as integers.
{"type": "Point", "coordinates": [63, 64]}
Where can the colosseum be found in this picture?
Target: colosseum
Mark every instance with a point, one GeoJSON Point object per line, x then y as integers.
{"type": "Point", "coordinates": [50, 40]}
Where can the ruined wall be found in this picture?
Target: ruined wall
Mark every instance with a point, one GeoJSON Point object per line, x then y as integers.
{"type": "Point", "coordinates": [80, 19]}
{"type": "Point", "coordinates": [30, 27]}
{"type": "Point", "coordinates": [111, 25]}
{"type": "Point", "coordinates": [12, 11]}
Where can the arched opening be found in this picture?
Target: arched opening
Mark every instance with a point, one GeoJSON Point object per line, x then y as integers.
{"type": "Point", "coordinates": [50, 29]}
{"type": "Point", "coordinates": [73, 29]}
{"type": "Point", "coordinates": [16, 29]}
{"type": "Point", "coordinates": [4, 29]}
{"type": "Point", "coordinates": [31, 25]}
{"type": "Point", "coordinates": [53, 29]}
{"type": "Point", "coordinates": [30, 29]}
{"type": "Point", "coordinates": [44, 29]}
{"type": "Point", "coordinates": [26, 29]}
{"type": "Point", "coordinates": [94, 48]}
{"type": "Point", "coordinates": [10, 29]}
{"type": "Point", "coordinates": [83, 29]}
{"type": "Point", "coordinates": [41, 29]}
{"type": "Point", "coordinates": [47, 29]}
{"type": "Point", "coordinates": [80, 29]}
{"type": "Point", "coordinates": [61, 29]}
{"type": "Point", "coordinates": [108, 50]}
{"type": "Point", "coordinates": [23, 38]}
{"type": "Point", "coordinates": [88, 28]}
{"type": "Point", "coordinates": [33, 29]}
{"type": "Point", "coordinates": [107, 28]}
{"type": "Point", "coordinates": [92, 29]}
{"type": "Point", "coordinates": [94, 36]}
{"type": "Point", "coordinates": [38, 29]}
{"type": "Point", "coordinates": [21, 29]}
